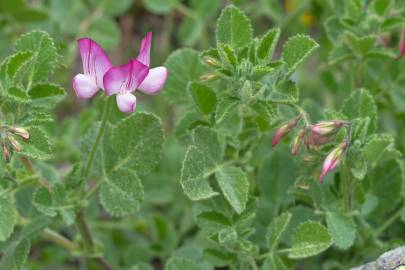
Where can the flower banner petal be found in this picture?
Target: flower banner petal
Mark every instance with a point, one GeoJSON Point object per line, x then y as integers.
{"type": "Point", "coordinates": [155, 80]}
{"type": "Point", "coordinates": [144, 52]}
{"type": "Point", "coordinates": [95, 60]}
{"type": "Point", "coordinates": [125, 78]}
{"type": "Point", "coordinates": [84, 86]}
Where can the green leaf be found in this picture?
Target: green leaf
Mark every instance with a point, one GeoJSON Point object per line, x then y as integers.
{"type": "Point", "coordinates": [194, 179]}
{"type": "Point", "coordinates": [381, 7]}
{"type": "Point", "coordinates": [22, 12]}
{"type": "Point", "coordinates": [15, 255]}
{"type": "Point", "coordinates": [339, 54]}
{"type": "Point", "coordinates": [234, 28]}
{"type": "Point", "coordinates": [212, 221]}
{"type": "Point", "coordinates": [360, 45]}
{"type": "Point", "coordinates": [45, 55]}
{"type": "Point", "coordinates": [8, 216]}
{"type": "Point", "coordinates": [286, 92]}
{"type": "Point", "coordinates": [47, 94]}
{"type": "Point", "coordinates": [182, 264]}
{"type": "Point", "coordinates": [37, 146]}
{"type": "Point", "coordinates": [296, 50]}
{"type": "Point", "coordinates": [234, 185]}
{"type": "Point", "coordinates": [136, 143]}
{"type": "Point", "coordinates": [379, 148]}
{"type": "Point", "coordinates": [227, 54]}
{"type": "Point", "coordinates": [104, 30]}
{"type": "Point", "coordinates": [361, 104]}
{"type": "Point", "coordinates": [43, 201]}
{"type": "Point", "coordinates": [309, 238]}
{"type": "Point", "coordinates": [392, 23]}
{"type": "Point", "coordinates": [342, 229]}
{"type": "Point", "coordinates": [18, 95]}
{"type": "Point", "coordinates": [160, 6]}
{"type": "Point", "coordinates": [276, 229]}
{"type": "Point", "coordinates": [185, 67]}
{"type": "Point", "coordinates": [209, 142]}
{"type": "Point", "coordinates": [268, 44]}
{"type": "Point", "coordinates": [121, 192]}
{"type": "Point", "coordinates": [274, 262]}
{"type": "Point", "coordinates": [204, 97]}
{"type": "Point", "coordinates": [16, 62]}
{"type": "Point", "coordinates": [86, 144]}
{"type": "Point", "coordinates": [111, 7]}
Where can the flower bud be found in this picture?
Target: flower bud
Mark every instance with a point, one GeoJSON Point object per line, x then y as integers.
{"type": "Point", "coordinates": [282, 131]}
{"type": "Point", "coordinates": [401, 47]}
{"type": "Point", "coordinates": [324, 132]}
{"type": "Point", "coordinates": [22, 132]}
{"type": "Point", "coordinates": [16, 145]}
{"type": "Point", "coordinates": [208, 76]}
{"type": "Point", "coordinates": [333, 159]}
{"type": "Point", "coordinates": [297, 141]}
{"type": "Point", "coordinates": [211, 62]}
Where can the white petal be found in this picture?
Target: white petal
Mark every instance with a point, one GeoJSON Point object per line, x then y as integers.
{"type": "Point", "coordinates": [84, 86]}
{"type": "Point", "coordinates": [155, 80]}
{"type": "Point", "coordinates": [126, 102]}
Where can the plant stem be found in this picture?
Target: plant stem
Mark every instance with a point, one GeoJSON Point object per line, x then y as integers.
{"type": "Point", "coordinates": [389, 222]}
{"type": "Point", "coordinates": [59, 239]}
{"type": "Point", "coordinates": [84, 232]}
{"type": "Point", "coordinates": [100, 133]}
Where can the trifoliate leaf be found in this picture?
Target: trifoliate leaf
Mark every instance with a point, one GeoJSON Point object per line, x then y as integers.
{"type": "Point", "coordinates": [185, 67]}
{"type": "Point", "coordinates": [276, 229]}
{"type": "Point", "coordinates": [234, 185]}
{"type": "Point", "coordinates": [234, 28]}
{"type": "Point", "coordinates": [309, 238]}
{"type": "Point", "coordinates": [45, 55]}
{"type": "Point", "coordinates": [121, 192]}
{"type": "Point", "coordinates": [296, 50]}
{"type": "Point", "coordinates": [342, 229]}
{"type": "Point", "coordinates": [8, 216]}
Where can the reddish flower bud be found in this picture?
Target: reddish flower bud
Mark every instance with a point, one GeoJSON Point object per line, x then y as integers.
{"type": "Point", "coordinates": [16, 145]}
{"type": "Point", "coordinates": [333, 159]}
{"type": "Point", "coordinates": [208, 77]}
{"type": "Point", "coordinates": [401, 47]}
{"type": "Point", "coordinates": [324, 132]}
{"type": "Point", "coordinates": [297, 141]}
{"type": "Point", "coordinates": [22, 132]}
{"type": "Point", "coordinates": [282, 131]}
{"type": "Point", "coordinates": [6, 152]}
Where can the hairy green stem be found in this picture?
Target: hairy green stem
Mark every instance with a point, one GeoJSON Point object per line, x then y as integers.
{"type": "Point", "coordinates": [59, 239]}
{"type": "Point", "coordinates": [100, 134]}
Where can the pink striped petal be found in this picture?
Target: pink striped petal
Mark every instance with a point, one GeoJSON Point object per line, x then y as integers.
{"type": "Point", "coordinates": [95, 60]}
{"type": "Point", "coordinates": [126, 102]}
{"type": "Point", "coordinates": [125, 78]}
{"type": "Point", "coordinates": [84, 86]}
{"type": "Point", "coordinates": [144, 52]}
{"type": "Point", "coordinates": [155, 80]}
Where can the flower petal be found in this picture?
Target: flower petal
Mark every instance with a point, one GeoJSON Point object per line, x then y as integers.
{"type": "Point", "coordinates": [84, 86]}
{"type": "Point", "coordinates": [125, 78]}
{"type": "Point", "coordinates": [155, 80]}
{"type": "Point", "coordinates": [126, 102]}
{"type": "Point", "coordinates": [144, 51]}
{"type": "Point", "coordinates": [95, 60]}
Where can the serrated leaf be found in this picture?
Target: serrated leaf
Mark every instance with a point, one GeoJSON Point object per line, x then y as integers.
{"type": "Point", "coordinates": [46, 94]}
{"type": "Point", "coordinates": [8, 216]}
{"type": "Point", "coordinates": [296, 50]}
{"type": "Point", "coordinates": [15, 256]}
{"type": "Point", "coordinates": [276, 229]}
{"type": "Point", "coordinates": [392, 23]}
{"type": "Point", "coordinates": [136, 143]}
{"type": "Point", "coordinates": [121, 192]}
{"type": "Point", "coordinates": [44, 57]}
{"type": "Point", "coordinates": [286, 92]}
{"type": "Point", "coordinates": [342, 229]}
{"type": "Point", "coordinates": [204, 97]}
{"type": "Point", "coordinates": [43, 201]}
{"type": "Point", "coordinates": [185, 67]}
{"type": "Point", "coordinates": [268, 44]}
{"type": "Point", "coordinates": [227, 55]}
{"type": "Point", "coordinates": [16, 62]}
{"type": "Point", "coordinates": [37, 146]}
{"type": "Point", "coordinates": [182, 264]}
{"type": "Point", "coordinates": [361, 104]}
{"type": "Point", "coordinates": [234, 185]}
{"type": "Point", "coordinates": [18, 95]}
{"type": "Point", "coordinates": [309, 238]}
{"type": "Point", "coordinates": [381, 7]}
{"type": "Point", "coordinates": [360, 45]}
{"type": "Point", "coordinates": [234, 28]}
{"type": "Point", "coordinates": [212, 221]}
{"type": "Point", "coordinates": [209, 142]}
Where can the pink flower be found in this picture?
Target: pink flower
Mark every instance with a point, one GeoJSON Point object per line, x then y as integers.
{"type": "Point", "coordinates": [136, 74]}
{"type": "Point", "coordinates": [95, 64]}
{"type": "Point", "coordinates": [282, 131]}
{"type": "Point", "coordinates": [333, 159]}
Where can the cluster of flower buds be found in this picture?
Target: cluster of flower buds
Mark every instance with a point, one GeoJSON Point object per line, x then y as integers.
{"type": "Point", "coordinates": [314, 136]}
{"type": "Point", "coordinates": [8, 141]}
